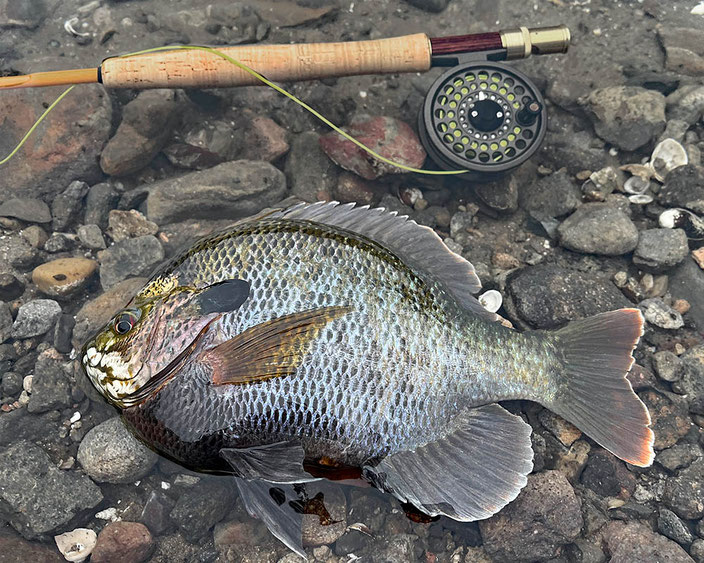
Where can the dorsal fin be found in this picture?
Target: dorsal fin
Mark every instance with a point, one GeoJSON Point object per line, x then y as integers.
{"type": "Point", "coordinates": [416, 245]}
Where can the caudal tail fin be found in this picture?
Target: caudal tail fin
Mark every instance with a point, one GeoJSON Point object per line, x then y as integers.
{"type": "Point", "coordinates": [594, 394]}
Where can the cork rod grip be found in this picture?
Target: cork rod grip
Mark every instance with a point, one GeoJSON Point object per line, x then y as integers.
{"type": "Point", "coordinates": [280, 63]}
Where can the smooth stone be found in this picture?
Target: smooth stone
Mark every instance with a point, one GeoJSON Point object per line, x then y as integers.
{"type": "Point", "coordinates": [309, 171]}
{"type": "Point", "coordinates": [659, 250]}
{"type": "Point", "coordinates": [67, 205]}
{"type": "Point", "coordinates": [123, 542]}
{"type": "Point", "coordinates": [26, 209]}
{"type": "Point", "coordinates": [100, 200]}
{"type": "Point", "coordinates": [659, 314]}
{"type": "Point", "coordinates": [64, 277]}
{"type": "Point", "coordinates": [110, 453]}
{"type": "Point", "coordinates": [598, 228]}
{"type": "Point", "coordinates": [628, 542]}
{"type": "Point", "coordinates": [91, 237]}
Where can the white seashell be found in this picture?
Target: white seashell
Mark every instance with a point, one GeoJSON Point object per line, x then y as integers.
{"type": "Point", "coordinates": [667, 155]}
{"type": "Point", "coordinates": [635, 185]}
{"type": "Point", "coordinates": [698, 10]}
{"type": "Point", "coordinates": [640, 199]}
{"type": "Point", "coordinates": [27, 383]}
{"type": "Point", "coordinates": [76, 545]}
{"type": "Point", "coordinates": [491, 300]}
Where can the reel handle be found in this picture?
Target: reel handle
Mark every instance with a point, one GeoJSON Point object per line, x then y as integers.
{"type": "Point", "coordinates": [285, 63]}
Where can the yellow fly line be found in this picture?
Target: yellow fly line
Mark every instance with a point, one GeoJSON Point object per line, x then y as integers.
{"type": "Point", "coordinates": [263, 80]}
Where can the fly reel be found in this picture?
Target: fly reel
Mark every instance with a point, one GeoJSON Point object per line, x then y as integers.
{"type": "Point", "coordinates": [484, 117]}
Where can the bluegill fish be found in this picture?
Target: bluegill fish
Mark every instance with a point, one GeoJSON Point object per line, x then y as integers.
{"type": "Point", "coordinates": [326, 335]}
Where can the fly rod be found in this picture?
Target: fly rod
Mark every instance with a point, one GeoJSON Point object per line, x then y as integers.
{"type": "Point", "coordinates": [480, 119]}
{"type": "Point", "coordinates": [287, 63]}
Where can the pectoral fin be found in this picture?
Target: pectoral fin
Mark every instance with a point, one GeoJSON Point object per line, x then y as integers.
{"type": "Point", "coordinates": [271, 503]}
{"type": "Point", "coordinates": [271, 349]}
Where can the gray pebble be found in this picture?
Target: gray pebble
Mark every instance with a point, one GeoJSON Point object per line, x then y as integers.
{"type": "Point", "coordinates": [430, 5]}
{"type": "Point", "coordinates": [667, 365]}
{"type": "Point", "coordinates": [10, 287]}
{"type": "Point", "coordinates": [17, 252]}
{"type": "Point", "coordinates": [684, 494]}
{"type": "Point", "coordinates": [598, 228]}
{"type": "Point", "coordinates": [59, 242]}
{"type": "Point", "coordinates": [11, 384]}
{"type": "Point", "coordinates": [35, 318]}
{"type": "Point", "coordinates": [50, 385]}
{"type": "Point", "coordinates": [100, 200]}
{"type": "Point", "coordinates": [5, 322]}
{"type": "Point", "coordinates": [66, 205]}
{"type": "Point", "coordinates": [679, 456]}
{"type": "Point", "coordinates": [26, 209]}
{"type": "Point", "coordinates": [202, 506]}
{"type": "Point", "coordinates": [36, 497]}
{"type": "Point", "coordinates": [670, 525]}
{"type": "Point", "coordinates": [659, 314]}
{"type": "Point", "coordinates": [110, 453]}
{"type": "Point", "coordinates": [660, 249]}
{"type": "Point", "coordinates": [130, 258]}
{"type": "Point", "coordinates": [35, 236]}
{"type": "Point", "coordinates": [696, 550]}
{"type": "Point", "coordinates": [308, 169]}
{"type": "Point", "coordinates": [552, 196]}
{"type": "Point", "coordinates": [692, 382]}
{"type": "Point", "coordinates": [91, 237]}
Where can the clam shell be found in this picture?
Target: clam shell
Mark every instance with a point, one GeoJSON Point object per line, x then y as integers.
{"type": "Point", "coordinates": [640, 199]}
{"type": "Point", "coordinates": [635, 185]}
{"type": "Point", "coordinates": [77, 544]}
{"type": "Point", "coordinates": [667, 155]}
{"type": "Point", "coordinates": [671, 218]}
{"type": "Point", "coordinates": [491, 300]}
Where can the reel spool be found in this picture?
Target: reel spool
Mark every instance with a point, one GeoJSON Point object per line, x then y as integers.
{"type": "Point", "coordinates": [484, 117]}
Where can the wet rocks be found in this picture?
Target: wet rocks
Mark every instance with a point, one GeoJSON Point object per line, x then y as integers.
{"type": "Point", "coordinates": [266, 140]}
{"type": "Point", "coordinates": [97, 312]}
{"type": "Point", "coordinates": [64, 277]}
{"type": "Point", "coordinates": [309, 171]}
{"type": "Point", "coordinates": [101, 198]}
{"type": "Point", "coordinates": [110, 453]}
{"type": "Point", "coordinates": [670, 417]}
{"type": "Point", "coordinates": [314, 531]}
{"type": "Point", "coordinates": [129, 224]}
{"type": "Point", "coordinates": [67, 205]}
{"type": "Point", "coordinates": [430, 5]}
{"type": "Point", "coordinates": [10, 287]}
{"type": "Point", "coordinates": [14, 548]}
{"type": "Point", "coordinates": [633, 541]}
{"type": "Point", "coordinates": [6, 321]}
{"type": "Point", "coordinates": [147, 124]}
{"type": "Point", "coordinates": [227, 191]}
{"type": "Point", "coordinates": [679, 456]}
{"type": "Point", "coordinates": [660, 314]}
{"type": "Point", "coordinates": [660, 249]}
{"type": "Point", "coordinates": [123, 542]}
{"type": "Point", "coordinates": [598, 228]}
{"type": "Point", "coordinates": [42, 170]}
{"type": "Point", "coordinates": [608, 476]}
{"type": "Point", "coordinates": [38, 498]}
{"type": "Point", "coordinates": [16, 252]}
{"type": "Point", "coordinates": [547, 296]}
{"type": "Point", "coordinates": [552, 196]}
{"type": "Point", "coordinates": [202, 506]}
{"type": "Point", "coordinates": [91, 237]}
{"type": "Point", "coordinates": [692, 382]}
{"type": "Point", "coordinates": [545, 516]}
{"type": "Point", "coordinates": [51, 388]}
{"type": "Point", "coordinates": [351, 187]}
{"type": "Point", "coordinates": [683, 187]}
{"type": "Point", "coordinates": [35, 318]}
{"type": "Point", "coordinates": [129, 258]}
{"type": "Point", "coordinates": [389, 137]}
{"type": "Point", "coordinates": [27, 15]}
{"type": "Point", "coordinates": [687, 282]}
{"type": "Point", "coordinates": [667, 365]}
{"type": "Point", "coordinates": [684, 49]}
{"type": "Point", "coordinates": [671, 526]}
{"type": "Point", "coordinates": [627, 116]}
{"type": "Point", "coordinates": [26, 209]}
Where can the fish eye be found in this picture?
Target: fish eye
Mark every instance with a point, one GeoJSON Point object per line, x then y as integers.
{"type": "Point", "coordinates": [125, 321]}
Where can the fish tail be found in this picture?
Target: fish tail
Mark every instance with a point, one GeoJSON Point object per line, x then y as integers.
{"type": "Point", "coordinates": [593, 392]}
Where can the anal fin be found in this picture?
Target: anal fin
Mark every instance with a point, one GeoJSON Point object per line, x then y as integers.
{"type": "Point", "coordinates": [469, 474]}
